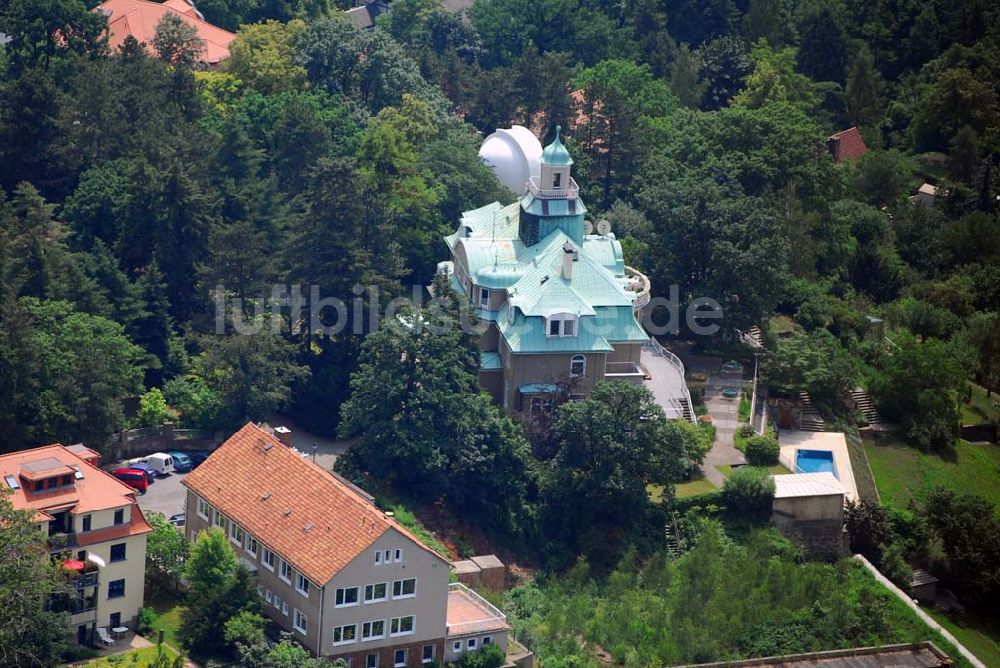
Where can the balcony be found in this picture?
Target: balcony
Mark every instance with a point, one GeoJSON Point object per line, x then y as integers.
{"type": "Point", "coordinates": [630, 371]}
{"type": "Point", "coordinates": [572, 192]}
{"type": "Point", "coordinates": [638, 283]}
{"type": "Point", "coordinates": [470, 613]}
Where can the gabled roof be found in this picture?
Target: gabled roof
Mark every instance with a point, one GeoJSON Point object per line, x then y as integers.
{"type": "Point", "coordinates": [846, 145]}
{"type": "Point", "coordinates": [139, 18]}
{"type": "Point", "coordinates": [313, 519]}
{"type": "Point", "coordinates": [92, 489]}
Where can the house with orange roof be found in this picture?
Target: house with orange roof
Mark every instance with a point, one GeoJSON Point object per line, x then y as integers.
{"type": "Point", "coordinates": [139, 18]}
{"type": "Point", "coordinates": [95, 529]}
{"type": "Point", "coordinates": [340, 574]}
{"type": "Point", "coordinates": [846, 145]}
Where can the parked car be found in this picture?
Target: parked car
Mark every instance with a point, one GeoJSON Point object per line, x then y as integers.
{"type": "Point", "coordinates": [141, 466]}
{"type": "Point", "coordinates": [133, 477]}
{"type": "Point", "coordinates": [178, 520]}
{"type": "Point", "coordinates": [160, 463]}
{"type": "Point", "coordinates": [182, 463]}
{"type": "Point", "coordinates": [197, 457]}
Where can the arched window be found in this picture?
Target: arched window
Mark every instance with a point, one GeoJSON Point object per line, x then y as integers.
{"type": "Point", "coordinates": [578, 366]}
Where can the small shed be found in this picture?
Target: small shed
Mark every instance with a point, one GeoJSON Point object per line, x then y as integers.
{"type": "Point", "coordinates": [482, 572]}
{"type": "Point", "coordinates": [926, 195]}
{"type": "Point", "coordinates": [923, 586]}
{"type": "Point", "coordinates": [809, 496]}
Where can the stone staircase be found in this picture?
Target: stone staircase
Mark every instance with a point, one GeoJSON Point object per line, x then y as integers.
{"type": "Point", "coordinates": [810, 419]}
{"type": "Point", "coordinates": [864, 403]}
{"type": "Point", "coordinates": [670, 534]}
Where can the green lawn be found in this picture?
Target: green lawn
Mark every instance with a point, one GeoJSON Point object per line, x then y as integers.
{"type": "Point", "coordinates": [980, 409]}
{"type": "Point", "coordinates": [980, 636]}
{"type": "Point", "coordinates": [168, 620]}
{"type": "Point", "coordinates": [140, 658]}
{"type": "Point", "coordinates": [693, 488]}
{"type": "Point", "coordinates": [903, 473]}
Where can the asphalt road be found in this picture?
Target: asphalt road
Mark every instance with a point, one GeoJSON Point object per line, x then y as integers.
{"type": "Point", "coordinates": [165, 495]}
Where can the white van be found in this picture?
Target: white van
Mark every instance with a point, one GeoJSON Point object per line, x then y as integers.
{"type": "Point", "coordinates": [159, 463]}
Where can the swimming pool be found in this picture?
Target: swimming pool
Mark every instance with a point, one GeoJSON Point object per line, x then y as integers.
{"type": "Point", "coordinates": [814, 461]}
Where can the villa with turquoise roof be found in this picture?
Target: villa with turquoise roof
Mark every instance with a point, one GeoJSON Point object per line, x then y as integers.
{"type": "Point", "coordinates": [562, 306]}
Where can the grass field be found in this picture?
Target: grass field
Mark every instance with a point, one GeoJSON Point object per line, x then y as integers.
{"type": "Point", "coordinates": [980, 636]}
{"type": "Point", "coordinates": [980, 410]}
{"type": "Point", "coordinates": [903, 473]}
{"type": "Point", "coordinates": [168, 620]}
{"type": "Point", "coordinates": [140, 658]}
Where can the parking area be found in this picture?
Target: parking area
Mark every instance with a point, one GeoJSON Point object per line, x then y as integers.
{"type": "Point", "coordinates": [165, 495]}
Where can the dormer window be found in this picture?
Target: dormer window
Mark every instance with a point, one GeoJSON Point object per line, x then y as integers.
{"type": "Point", "coordinates": [561, 324]}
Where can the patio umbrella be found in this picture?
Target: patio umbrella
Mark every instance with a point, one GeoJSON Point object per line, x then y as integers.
{"type": "Point", "coordinates": [74, 565]}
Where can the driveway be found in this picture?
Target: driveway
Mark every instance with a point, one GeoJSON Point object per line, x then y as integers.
{"type": "Point", "coordinates": [165, 495]}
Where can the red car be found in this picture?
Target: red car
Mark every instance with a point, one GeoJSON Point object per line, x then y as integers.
{"type": "Point", "coordinates": [134, 478]}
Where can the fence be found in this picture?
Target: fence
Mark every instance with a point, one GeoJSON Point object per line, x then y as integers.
{"type": "Point", "coordinates": [660, 351]}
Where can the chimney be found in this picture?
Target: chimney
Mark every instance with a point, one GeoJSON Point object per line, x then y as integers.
{"type": "Point", "coordinates": [569, 257]}
{"type": "Point", "coordinates": [833, 145]}
{"type": "Point", "coordinates": [284, 434]}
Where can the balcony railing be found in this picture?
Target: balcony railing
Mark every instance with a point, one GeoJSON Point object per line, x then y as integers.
{"type": "Point", "coordinates": [638, 283]}
{"type": "Point", "coordinates": [624, 371]}
{"type": "Point", "coordinates": [570, 192]}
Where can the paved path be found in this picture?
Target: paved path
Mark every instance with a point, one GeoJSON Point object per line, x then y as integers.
{"type": "Point", "coordinates": [665, 381]}
{"type": "Point", "coordinates": [725, 414]}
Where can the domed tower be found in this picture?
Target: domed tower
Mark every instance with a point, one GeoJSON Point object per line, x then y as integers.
{"type": "Point", "coordinates": [552, 201]}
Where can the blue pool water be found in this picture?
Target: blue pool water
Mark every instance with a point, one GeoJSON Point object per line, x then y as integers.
{"type": "Point", "coordinates": [814, 461]}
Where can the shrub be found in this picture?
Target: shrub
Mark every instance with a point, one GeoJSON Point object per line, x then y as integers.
{"type": "Point", "coordinates": [749, 492]}
{"type": "Point", "coordinates": [490, 656]}
{"type": "Point", "coordinates": [146, 621]}
{"type": "Point", "coordinates": [762, 451]}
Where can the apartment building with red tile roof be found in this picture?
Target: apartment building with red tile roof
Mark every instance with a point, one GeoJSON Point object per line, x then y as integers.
{"type": "Point", "coordinates": [139, 18]}
{"type": "Point", "coordinates": [92, 518]}
{"type": "Point", "coordinates": [333, 569]}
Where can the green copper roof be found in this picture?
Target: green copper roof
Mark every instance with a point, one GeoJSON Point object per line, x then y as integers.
{"type": "Point", "coordinates": [555, 153]}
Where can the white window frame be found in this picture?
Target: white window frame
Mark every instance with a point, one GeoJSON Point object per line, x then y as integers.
{"type": "Point", "coordinates": [487, 640]}
{"type": "Point", "coordinates": [456, 647]}
{"type": "Point", "coordinates": [251, 541]}
{"type": "Point", "coordinates": [370, 665]}
{"type": "Point", "coordinates": [284, 608]}
{"type": "Point", "coordinates": [337, 643]}
{"type": "Point", "coordinates": [260, 590]}
{"type": "Point", "coordinates": [378, 557]}
{"type": "Point", "coordinates": [386, 556]}
{"type": "Point", "coordinates": [374, 599]}
{"type": "Point", "coordinates": [220, 520]}
{"type": "Point", "coordinates": [484, 297]}
{"type": "Point", "coordinates": [295, 622]}
{"type": "Point", "coordinates": [581, 360]}
{"type": "Point", "coordinates": [299, 579]}
{"type": "Point", "coordinates": [370, 626]}
{"type": "Point", "coordinates": [276, 602]}
{"type": "Point", "coordinates": [561, 319]}
{"type": "Point", "coordinates": [397, 622]}
{"type": "Point", "coordinates": [284, 566]}
{"type": "Point", "coordinates": [395, 657]}
{"type": "Point", "coordinates": [428, 659]}
{"type": "Point", "coordinates": [236, 534]}
{"type": "Point", "coordinates": [337, 594]}
{"type": "Point", "coordinates": [264, 556]}
{"type": "Point", "coordinates": [400, 583]}
{"type": "Point", "coordinates": [268, 596]}
{"type": "Point", "coordinates": [203, 509]}
{"type": "Point", "coordinates": [471, 644]}
{"type": "Point", "coordinates": [397, 555]}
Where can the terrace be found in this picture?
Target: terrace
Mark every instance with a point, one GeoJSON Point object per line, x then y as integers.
{"type": "Point", "coordinates": [469, 613]}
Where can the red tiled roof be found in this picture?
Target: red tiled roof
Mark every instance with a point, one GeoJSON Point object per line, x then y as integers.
{"type": "Point", "coordinates": [96, 490]}
{"type": "Point", "coordinates": [846, 145]}
{"type": "Point", "coordinates": [293, 506]}
{"type": "Point", "coordinates": [139, 18]}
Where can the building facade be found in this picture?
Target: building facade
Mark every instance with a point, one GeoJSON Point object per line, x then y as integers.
{"type": "Point", "coordinates": [342, 576]}
{"type": "Point", "coordinates": [561, 305]}
{"type": "Point", "coordinates": [95, 529]}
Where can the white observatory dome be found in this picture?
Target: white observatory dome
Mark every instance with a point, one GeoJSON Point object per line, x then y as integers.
{"type": "Point", "coordinates": [515, 155]}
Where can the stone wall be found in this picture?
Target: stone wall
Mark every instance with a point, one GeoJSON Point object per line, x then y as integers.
{"type": "Point", "coordinates": [141, 442]}
{"type": "Point", "coordinates": [822, 539]}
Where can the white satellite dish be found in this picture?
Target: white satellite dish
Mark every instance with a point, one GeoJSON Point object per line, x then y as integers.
{"type": "Point", "coordinates": [603, 227]}
{"type": "Point", "coordinates": [588, 227]}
